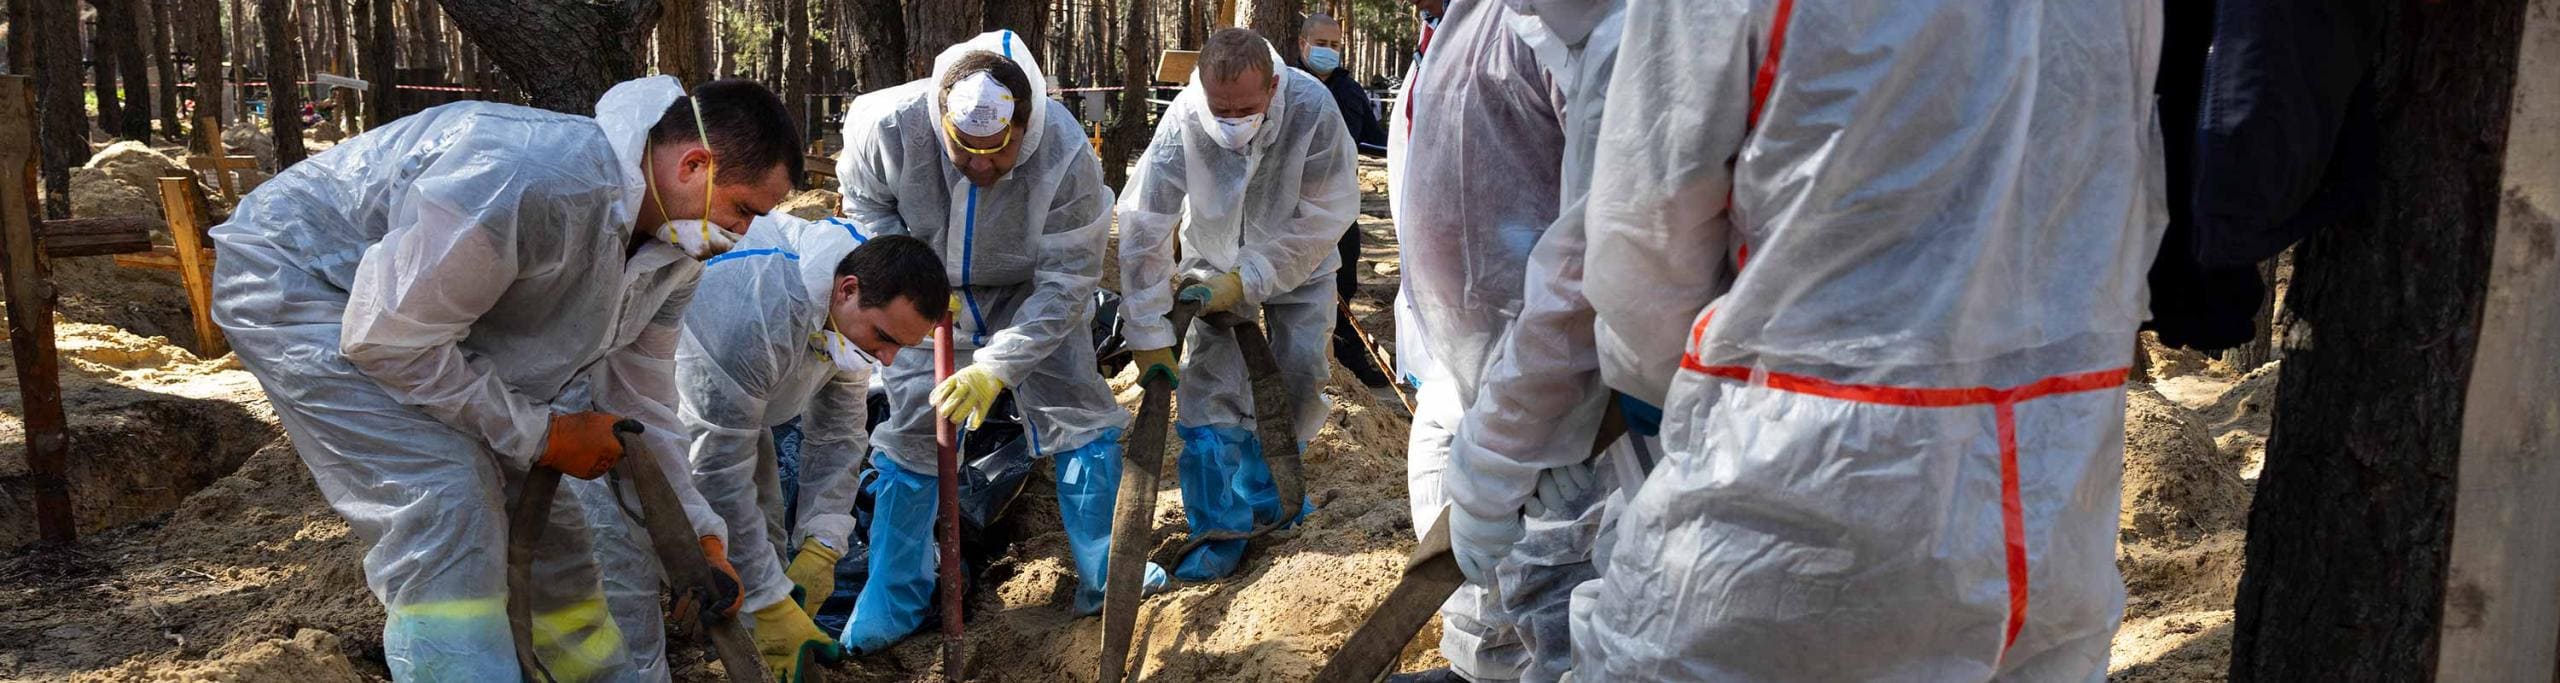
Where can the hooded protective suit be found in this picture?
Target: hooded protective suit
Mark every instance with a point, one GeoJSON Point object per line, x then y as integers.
{"type": "Point", "coordinates": [758, 361]}
{"type": "Point", "coordinates": [1271, 213]}
{"type": "Point", "coordinates": [418, 302]}
{"type": "Point", "coordinates": [1541, 403]}
{"type": "Point", "coordinates": [1897, 440]}
{"type": "Point", "coordinates": [1024, 257]}
{"type": "Point", "coordinates": [1479, 184]}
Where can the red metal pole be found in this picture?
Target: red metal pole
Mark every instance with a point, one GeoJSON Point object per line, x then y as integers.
{"type": "Point", "coordinates": [947, 469]}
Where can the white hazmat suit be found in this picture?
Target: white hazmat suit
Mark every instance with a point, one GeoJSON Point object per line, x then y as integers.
{"type": "Point", "coordinates": [418, 302]}
{"type": "Point", "coordinates": [1024, 256]}
{"type": "Point", "coordinates": [1541, 403]}
{"type": "Point", "coordinates": [1272, 213]}
{"type": "Point", "coordinates": [1479, 184]}
{"type": "Point", "coordinates": [757, 360]}
{"type": "Point", "coordinates": [1894, 444]}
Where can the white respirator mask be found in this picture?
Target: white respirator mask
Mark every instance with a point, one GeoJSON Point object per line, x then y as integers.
{"type": "Point", "coordinates": [848, 358]}
{"type": "Point", "coordinates": [1231, 132]}
{"type": "Point", "coordinates": [698, 238]}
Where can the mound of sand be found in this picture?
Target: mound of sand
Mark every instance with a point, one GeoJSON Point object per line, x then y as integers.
{"type": "Point", "coordinates": [97, 194]}
{"type": "Point", "coordinates": [2177, 487]}
{"type": "Point", "coordinates": [134, 164]}
{"type": "Point", "coordinates": [811, 205]}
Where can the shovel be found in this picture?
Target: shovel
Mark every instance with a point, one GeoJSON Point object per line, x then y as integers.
{"type": "Point", "coordinates": [671, 535]}
{"type": "Point", "coordinates": [1133, 518]}
{"type": "Point", "coordinates": [1429, 578]}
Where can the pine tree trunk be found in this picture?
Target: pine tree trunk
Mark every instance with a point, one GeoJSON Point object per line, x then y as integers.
{"type": "Point", "coordinates": [22, 41]}
{"type": "Point", "coordinates": [284, 67]}
{"type": "Point", "coordinates": [879, 44]}
{"type": "Point", "coordinates": [2350, 531]}
{"type": "Point", "coordinates": [102, 72]}
{"type": "Point", "coordinates": [166, 69]}
{"type": "Point", "coordinates": [380, 60]}
{"type": "Point", "coordinates": [684, 48]}
{"type": "Point", "coordinates": [123, 39]}
{"type": "Point", "coordinates": [1277, 21]}
{"type": "Point", "coordinates": [564, 54]}
{"type": "Point", "coordinates": [1028, 19]}
{"type": "Point", "coordinates": [204, 20]}
{"type": "Point", "coordinates": [795, 64]}
{"type": "Point", "coordinates": [1129, 129]}
{"type": "Point", "coordinates": [65, 128]}
{"type": "Point", "coordinates": [238, 74]}
{"type": "Point", "coordinates": [936, 25]}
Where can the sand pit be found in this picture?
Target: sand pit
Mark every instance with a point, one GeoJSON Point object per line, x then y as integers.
{"type": "Point", "coordinates": [254, 578]}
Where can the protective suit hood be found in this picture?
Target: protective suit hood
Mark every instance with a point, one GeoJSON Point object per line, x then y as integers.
{"type": "Point", "coordinates": [626, 113]}
{"type": "Point", "coordinates": [1002, 42]}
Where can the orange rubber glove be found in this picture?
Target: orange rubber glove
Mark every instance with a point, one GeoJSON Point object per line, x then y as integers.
{"type": "Point", "coordinates": [583, 445]}
{"type": "Point", "coordinates": [727, 590]}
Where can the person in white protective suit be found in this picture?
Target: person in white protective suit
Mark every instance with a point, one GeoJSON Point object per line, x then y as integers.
{"type": "Point", "coordinates": [988, 170]}
{"type": "Point", "coordinates": [443, 303]}
{"type": "Point", "coordinates": [1525, 489]}
{"type": "Point", "coordinates": [1252, 167]}
{"type": "Point", "coordinates": [809, 310]}
{"type": "Point", "coordinates": [1893, 446]}
{"type": "Point", "coordinates": [1479, 180]}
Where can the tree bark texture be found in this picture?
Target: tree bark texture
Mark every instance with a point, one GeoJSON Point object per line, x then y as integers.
{"type": "Point", "coordinates": [284, 68]}
{"type": "Point", "coordinates": [239, 63]}
{"type": "Point", "coordinates": [565, 54]}
{"type": "Point", "coordinates": [166, 71]}
{"type": "Point", "coordinates": [379, 59]}
{"type": "Point", "coordinates": [122, 38]}
{"type": "Point", "coordinates": [22, 41]}
{"type": "Point", "coordinates": [102, 71]}
{"type": "Point", "coordinates": [2351, 527]}
{"type": "Point", "coordinates": [204, 20]}
{"type": "Point", "coordinates": [795, 64]}
{"type": "Point", "coordinates": [933, 26]}
{"type": "Point", "coordinates": [879, 44]}
{"type": "Point", "coordinates": [1277, 21]}
{"type": "Point", "coordinates": [1129, 129]}
{"type": "Point", "coordinates": [1028, 19]}
{"type": "Point", "coordinates": [65, 129]}
{"type": "Point", "coordinates": [684, 40]}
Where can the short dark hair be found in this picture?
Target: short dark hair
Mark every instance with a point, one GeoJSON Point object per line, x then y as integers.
{"type": "Point", "coordinates": [751, 132]}
{"type": "Point", "coordinates": [893, 266]}
{"type": "Point", "coordinates": [1006, 73]}
{"type": "Point", "coordinates": [1234, 52]}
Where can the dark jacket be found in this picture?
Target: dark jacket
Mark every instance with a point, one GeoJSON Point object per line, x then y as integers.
{"type": "Point", "coordinates": [1358, 112]}
{"type": "Point", "coordinates": [2267, 119]}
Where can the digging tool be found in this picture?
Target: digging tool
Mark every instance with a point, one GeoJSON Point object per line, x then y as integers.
{"type": "Point", "coordinates": [946, 434]}
{"type": "Point", "coordinates": [670, 535]}
{"type": "Point", "coordinates": [1133, 518]}
{"type": "Point", "coordinates": [1429, 578]}
{"type": "Point", "coordinates": [1371, 347]}
{"type": "Point", "coordinates": [1275, 422]}
{"type": "Point", "coordinates": [525, 521]}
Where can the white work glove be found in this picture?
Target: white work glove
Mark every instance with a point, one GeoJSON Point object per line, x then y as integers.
{"type": "Point", "coordinates": [1559, 487]}
{"type": "Point", "coordinates": [1479, 543]}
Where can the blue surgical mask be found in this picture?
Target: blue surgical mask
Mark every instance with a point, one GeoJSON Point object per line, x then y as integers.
{"type": "Point", "coordinates": [1323, 60]}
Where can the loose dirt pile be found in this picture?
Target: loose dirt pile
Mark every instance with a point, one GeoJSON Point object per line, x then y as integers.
{"type": "Point", "coordinates": [2193, 448]}
{"type": "Point", "coordinates": [811, 205]}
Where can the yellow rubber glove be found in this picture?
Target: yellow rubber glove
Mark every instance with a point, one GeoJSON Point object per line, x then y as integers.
{"type": "Point", "coordinates": [1152, 361]}
{"type": "Point", "coordinates": [813, 574]}
{"type": "Point", "coordinates": [783, 632]}
{"type": "Point", "coordinates": [1224, 293]}
{"type": "Point", "coordinates": [965, 397]}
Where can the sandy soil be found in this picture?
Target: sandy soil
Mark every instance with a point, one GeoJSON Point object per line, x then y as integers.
{"type": "Point", "coordinates": [254, 578]}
